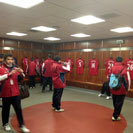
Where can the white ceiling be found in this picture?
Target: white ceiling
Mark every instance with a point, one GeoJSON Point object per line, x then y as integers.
{"type": "Point", "coordinates": [58, 13]}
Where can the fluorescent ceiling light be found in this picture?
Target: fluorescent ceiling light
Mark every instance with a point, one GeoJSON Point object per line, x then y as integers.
{"type": "Point", "coordinates": [16, 34]}
{"type": "Point", "coordinates": [43, 28]}
{"type": "Point", "coordinates": [88, 20]}
{"type": "Point", "coordinates": [22, 3]}
{"type": "Point", "coordinates": [87, 50]}
{"type": "Point", "coordinates": [80, 35]}
{"type": "Point", "coordinates": [8, 48]}
{"type": "Point", "coordinates": [52, 39]}
{"type": "Point", "coordinates": [122, 29]}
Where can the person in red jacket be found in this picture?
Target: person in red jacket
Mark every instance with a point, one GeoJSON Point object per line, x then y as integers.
{"type": "Point", "coordinates": [10, 92]}
{"type": "Point", "coordinates": [32, 73]}
{"type": "Point", "coordinates": [1, 63]}
{"type": "Point", "coordinates": [118, 95]}
{"type": "Point", "coordinates": [47, 73]}
{"type": "Point", "coordinates": [58, 71]}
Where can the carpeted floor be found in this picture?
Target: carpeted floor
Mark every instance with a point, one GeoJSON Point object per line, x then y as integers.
{"type": "Point", "coordinates": [83, 109]}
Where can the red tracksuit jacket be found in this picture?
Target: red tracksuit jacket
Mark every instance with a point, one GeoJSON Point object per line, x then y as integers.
{"type": "Point", "coordinates": [46, 70]}
{"type": "Point", "coordinates": [58, 75]}
{"type": "Point", "coordinates": [32, 68]}
{"type": "Point", "coordinates": [10, 84]}
{"type": "Point", "coordinates": [116, 70]}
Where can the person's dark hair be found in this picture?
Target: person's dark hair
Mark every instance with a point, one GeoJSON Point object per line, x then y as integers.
{"type": "Point", "coordinates": [49, 55]}
{"type": "Point", "coordinates": [57, 58]}
{"type": "Point", "coordinates": [1, 55]}
{"type": "Point", "coordinates": [119, 59]}
{"type": "Point", "coordinates": [32, 58]}
{"type": "Point", "coordinates": [7, 55]}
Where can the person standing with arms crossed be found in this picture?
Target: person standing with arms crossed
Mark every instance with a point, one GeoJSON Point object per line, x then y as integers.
{"type": "Point", "coordinates": [58, 77]}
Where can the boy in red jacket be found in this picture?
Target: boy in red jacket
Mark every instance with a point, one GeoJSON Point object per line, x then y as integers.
{"type": "Point", "coordinates": [32, 73]}
{"type": "Point", "coordinates": [10, 92]}
{"type": "Point", "coordinates": [47, 73]}
{"type": "Point", "coordinates": [118, 95]}
{"type": "Point", "coordinates": [58, 71]}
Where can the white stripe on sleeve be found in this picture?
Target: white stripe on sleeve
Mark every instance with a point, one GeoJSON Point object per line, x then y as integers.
{"type": "Point", "coordinates": [66, 67]}
{"type": "Point", "coordinates": [129, 80]}
{"type": "Point", "coordinates": [3, 77]}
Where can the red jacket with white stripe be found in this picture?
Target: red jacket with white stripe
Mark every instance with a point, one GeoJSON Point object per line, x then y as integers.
{"type": "Point", "coordinates": [58, 75]}
{"type": "Point", "coordinates": [9, 83]}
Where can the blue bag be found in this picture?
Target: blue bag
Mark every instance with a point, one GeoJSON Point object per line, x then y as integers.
{"type": "Point", "coordinates": [115, 81]}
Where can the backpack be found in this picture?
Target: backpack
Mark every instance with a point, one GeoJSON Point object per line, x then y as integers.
{"type": "Point", "coordinates": [115, 80]}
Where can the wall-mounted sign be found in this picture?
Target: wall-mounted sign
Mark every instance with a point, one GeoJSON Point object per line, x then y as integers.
{"type": "Point", "coordinates": [120, 41]}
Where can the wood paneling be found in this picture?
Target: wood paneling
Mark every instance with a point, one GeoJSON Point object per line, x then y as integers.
{"type": "Point", "coordinates": [1, 44]}
{"type": "Point", "coordinates": [30, 49]}
{"type": "Point", "coordinates": [26, 45]}
{"type": "Point", "coordinates": [68, 46]}
{"type": "Point", "coordinates": [100, 55]}
{"type": "Point", "coordinates": [10, 43]}
{"type": "Point", "coordinates": [36, 46]}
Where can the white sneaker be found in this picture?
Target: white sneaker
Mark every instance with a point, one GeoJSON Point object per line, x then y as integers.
{"type": "Point", "coordinates": [108, 97]}
{"type": "Point", "coordinates": [24, 129]}
{"type": "Point", "coordinates": [7, 127]}
{"type": "Point", "coordinates": [118, 119]}
{"type": "Point", "coordinates": [53, 108]}
{"type": "Point", "coordinates": [59, 110]}
{"type": "Point", "coordinates": [100, 95]}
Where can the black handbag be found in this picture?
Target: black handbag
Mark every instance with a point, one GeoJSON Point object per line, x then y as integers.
{"type": "Point", "coordinates": [24, 92]}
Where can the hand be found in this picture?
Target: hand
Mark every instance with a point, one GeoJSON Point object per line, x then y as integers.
{"type": "Point", "coordinates": [19, 70]}
{"type": "Point", "coordinates": [12, 72]}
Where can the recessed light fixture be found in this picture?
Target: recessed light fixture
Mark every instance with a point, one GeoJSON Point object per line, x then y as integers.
{"type": "Point", "coordinates": [8, 48]}
{"type": "Point", "coordinates": [16, 34]}
{"type": "Point", "coordinates": [80, 35]}
{"type": "Point", "coordinates": [122, 29]}
{"type": "Point", "coordinates": [43, 28]}
{"type": "Point", "coordinates": [88, 20]}
{"type": "Point", "coordinates": [52, 39]}
{"type": "Point", "coordinates": [22, 3]}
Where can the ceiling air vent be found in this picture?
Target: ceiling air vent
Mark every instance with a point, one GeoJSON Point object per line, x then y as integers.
{"type": "Point", "coordinates": [109, 16]}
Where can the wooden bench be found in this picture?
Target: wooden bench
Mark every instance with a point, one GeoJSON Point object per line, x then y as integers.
{"type": "Point", "coordinates": [92, 86]}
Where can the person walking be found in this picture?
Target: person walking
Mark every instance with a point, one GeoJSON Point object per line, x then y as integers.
{"type": "Point", "coordinates": [118, 95]}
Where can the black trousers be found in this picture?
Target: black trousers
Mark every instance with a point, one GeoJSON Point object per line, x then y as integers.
{"type": "Point", "coordinates": [118, 101]}
{"type": "Point", "coordinates": [31, 81]}
{"type": "Point", "coordinates": [105, 88]}
{"type": "Point", "coordinates": [16, 103]}
{"type": "Point", "coordinates": [47, 81]}
{"type": "Point", "coordinates": [57, 98]}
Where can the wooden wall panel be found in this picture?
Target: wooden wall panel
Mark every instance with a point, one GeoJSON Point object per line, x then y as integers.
{"type": "Point", "coordinates": [11, 43]}
{"type": "Point", "coordinates": [81, 45]}
{"type": "Point", "coordinates": [36, 46]}
{"type": "Point", "coordinates": [1, 44]}
{"type": "Point", "coordinates": [95, 44]}
{"type": "Point", "coordinates": [26, 45]}
{"type": "Point", "coordinates": [110, 43]}
{"type": "Point", "coordinates": [68, 46]}
{"type": "Point", "coordinates": [128, 42]}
